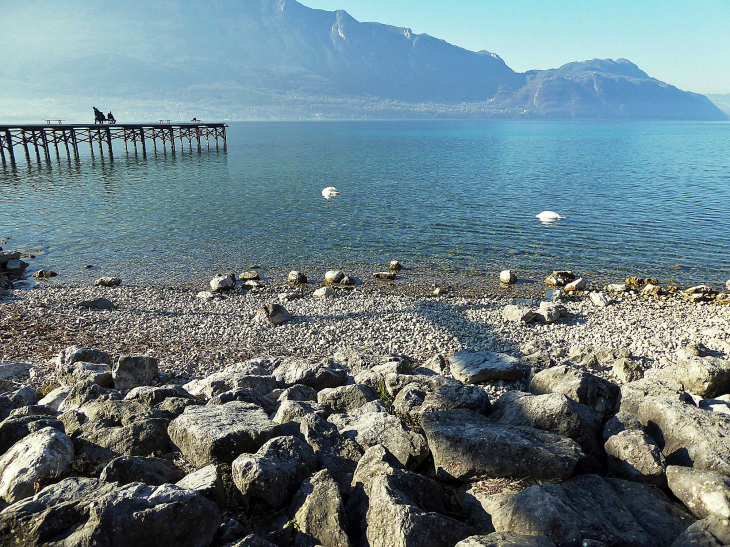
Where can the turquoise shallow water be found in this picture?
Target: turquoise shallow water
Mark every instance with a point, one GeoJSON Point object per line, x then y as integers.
{"type": "Point", "coordinates": [638, 197]}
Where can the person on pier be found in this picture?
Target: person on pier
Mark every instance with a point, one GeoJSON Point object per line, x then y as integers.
{"type": "Point", "coordinates": [110, 118]}
{"type": "Point", "coordinates": [98, 116]}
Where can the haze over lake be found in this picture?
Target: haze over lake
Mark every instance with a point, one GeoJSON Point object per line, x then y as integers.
{"type": "Point", "coordinates": [639, 197]}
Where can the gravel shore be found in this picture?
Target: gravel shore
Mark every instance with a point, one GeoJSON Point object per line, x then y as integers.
{"type": "Point", "coordinates": [194, 337]}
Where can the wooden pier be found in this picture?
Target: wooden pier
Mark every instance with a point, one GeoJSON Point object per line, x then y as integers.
{"type": "Point", "coordinates": [45, 140]}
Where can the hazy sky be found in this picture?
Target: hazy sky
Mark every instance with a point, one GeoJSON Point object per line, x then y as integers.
{"type": "Point", "coordinates": [682, 42]}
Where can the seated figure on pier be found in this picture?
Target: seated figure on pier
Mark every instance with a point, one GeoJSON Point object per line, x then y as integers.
{"type": "Point", "coordinates": [110, 118]}
{"type": "Point", "coordinates": [98, 116]}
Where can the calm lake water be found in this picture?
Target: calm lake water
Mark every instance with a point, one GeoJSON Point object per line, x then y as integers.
{"type": "Point", "coordinates": [639, 198]}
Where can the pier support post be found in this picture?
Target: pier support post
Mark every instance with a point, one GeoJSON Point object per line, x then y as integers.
{"type": "Point", "coordinates": [172, 142]}
{"type": "Point", "coordinates": [74, 143]}
{"type": "Point", "coordinates": [11, 152]}
{"type": "Point", "coordinates": [35, 145]}
{"type": "Point", "coordinates": [46, 149]}
{"type": "Point", "coordinates": [225, 144]}
{"type": "Point", "coordinates": [91, 144]}
{"type": "Point", "coordinates": [55, 144]}
{"type": "Point", "coordinates": [2, 150]}
{"type": "Point", "coordinates": [64, 136]}
{"type": "Point", "coordinates": [109, 142]}
{"type": "Point", "coordinates": [141, 139]}
{"type": "Point", "coordinates": [25, 145]}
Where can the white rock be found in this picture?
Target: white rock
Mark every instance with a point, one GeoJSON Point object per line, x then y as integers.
{"type": "Point", "coordinates": [553, 295]}
{"type": "Point", "coordinates": [577, 285]}
{"type": "Point", "coordinates": [507, 277]}
{"type": "Point", "coordinates": [397, 266]}
{"type": "Point", "coordinates": [10, 369]}
{"type": "Point", "coordinates": [334, 276]}
{"type": "Point", "coordinates": [323, 292]}
{"type": "Point", "coordinates": [616, 287]}
{"type": "Point", "coordinates": [54, 398]}
{"type": "Point", "coordinates": [600, 299]}
{"type": "Point", "coordinates": [42, 455]}
{"type": "Point", "coordinates": [222, 283]}
{"type": "Point", "coordinates": [108, 282]}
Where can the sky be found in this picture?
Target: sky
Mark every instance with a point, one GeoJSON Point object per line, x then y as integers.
{"type": "Point", "coordinates": [685, 43]}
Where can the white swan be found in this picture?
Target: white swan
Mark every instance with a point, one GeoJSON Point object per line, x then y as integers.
{"type": "Point", "coordinates": [548, 216]}
{"type": "Point", "coordinates": [330, 192]}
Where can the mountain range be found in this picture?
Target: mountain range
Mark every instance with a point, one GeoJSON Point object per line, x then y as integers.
{"type": "Point", "coordinates": [262, 59]}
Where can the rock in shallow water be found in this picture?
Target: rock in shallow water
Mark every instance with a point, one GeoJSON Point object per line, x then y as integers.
{"type": "Point", "coordinates": [108, 282]}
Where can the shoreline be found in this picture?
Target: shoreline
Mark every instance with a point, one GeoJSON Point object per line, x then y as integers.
{"type": "Point", "coordinates": [195, 337]}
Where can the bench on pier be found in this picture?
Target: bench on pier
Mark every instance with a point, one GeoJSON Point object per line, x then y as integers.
{"type": "Point", "coordinates": [165, 121]}
{"type": "Point", "coordinates": [59, 122]}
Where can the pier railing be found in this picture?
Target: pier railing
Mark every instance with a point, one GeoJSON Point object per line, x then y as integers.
{"type": "Point", "coordinates": [45, 139]}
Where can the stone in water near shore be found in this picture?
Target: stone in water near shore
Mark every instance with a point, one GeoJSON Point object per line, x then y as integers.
{"type": "Point", "coordinates": [384, 276]}
{"type": "Point", "coordinates": [507, 277]}
{"type": "Point", "coordinates": [395, 266]}
{"type": "Point", "coordinates": [559, 278]}
{"type": "Point", "coordinates": [44, 274]}
{"type": "Point", "coordinates": [251, 275]}
{"type": "Point", "coordinates": [473, 367]}
{"type": "Point", "coordinates": [577, 285]}
{"type": "Point", "coordinates": [108, 282]}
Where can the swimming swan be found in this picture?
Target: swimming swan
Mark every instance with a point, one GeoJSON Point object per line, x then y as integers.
{"type": "Point", "coordinates": [548, 216]}
{"type": "Point", "coordinates": [330, 192]}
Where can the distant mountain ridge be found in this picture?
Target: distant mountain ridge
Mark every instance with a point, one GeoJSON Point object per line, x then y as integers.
{"type": "Point", "coordinates": [279, 58]}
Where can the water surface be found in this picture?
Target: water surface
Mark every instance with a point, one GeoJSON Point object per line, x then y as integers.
{"type": "Point", "coordinates": [639, 198]}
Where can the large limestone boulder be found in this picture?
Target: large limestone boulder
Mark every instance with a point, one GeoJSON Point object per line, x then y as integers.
{"type": "Point", "coordinates": [706, 376]}
{"type": "Point", "coordinates": [231, 379]}
{"type": "Point", "coordinates": [293, 411]}
{"type": "Point", "coordinates": [467, 446]}
{"type": "Point", "coordinates": [315, 375]}
{"type": "Point", "coordinates": [80, 511]}
{"type": "Point", "coordinates": [705, 493]}
{"type": "Point", "coordinates": [588, 507]}
{"type": "Point", "coordinates": [581, 386]}
{"type": "Point", "coordinates": [140, 438]}
{"type": "Point", "coordinates": [152, 471]}
{"type": "Point", "coordinates": [473, 367]}
{"type": "Point", "coordinates": [367, 428]}
{"type": "Point", "coordinates": [208, 482]}
{"type": "Point", "coordinates": [346, 398]}
{"type": "Point", "coordinates": [635, 393]}
{"type": "Point", "coordinates": [688, 435]}
{"type": "Point", "coordinates": [154, 395]}
{"type": "Point", "coordinates": [635, 456]}
{"type": "Point", "coordinates": [450, 397]}
{"type": "Point", "coordinates": [276, 471]}
{"type": "Point", "coordinates": [336, 453]}
{"type": "Point", "coordinates": [552, 412]}
{"type": "Point", "coordinates": [85, 392]}
{"type": "Point", "coordinates": [76, 354]}
{"type": "Point", "coordinates": [220, 433]}
{"type": "Point", "coordinates": [16, 428]}
{"type": "Point", "coordinates": [319, 513]}
{"type": "Point", "coordinates": [41, 456]}
{"type": "Point", "coordinates": [54, 398]}
{"type": "Point", "coordinates": [391, 506]}
{"type": "Point", "coordinates": [132, 371]}
{"type": "Point", "coordinates": [78, 371]}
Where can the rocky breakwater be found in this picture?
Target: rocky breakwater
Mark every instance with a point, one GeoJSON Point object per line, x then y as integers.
{"type": "Point", "coordinates": [368, 449]}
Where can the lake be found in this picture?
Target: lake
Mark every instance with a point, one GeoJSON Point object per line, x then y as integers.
{"type": "Point", "coordinates": [651, 199]}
